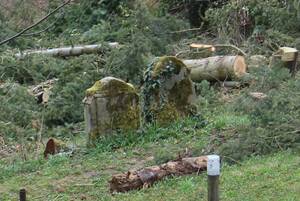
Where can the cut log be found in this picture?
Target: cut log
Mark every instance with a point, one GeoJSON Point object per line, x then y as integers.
{"type": "Point", "coordinates": [147, 176]}
{"type": "Point", "coordinates": [202, 47]}
{"type": "Point", "coordinates": [218, 68]}
{"type": "Point", "coordinates": [68, 51]}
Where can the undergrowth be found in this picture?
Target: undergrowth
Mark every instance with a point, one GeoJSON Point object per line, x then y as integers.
{"type": "Point", "coordinates": [239, 125]}
{"type": "Point", "coordinates": [272, 123]}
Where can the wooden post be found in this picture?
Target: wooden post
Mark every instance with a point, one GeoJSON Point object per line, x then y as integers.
{"type": "Point", "coordinates": [23, 194]}
{"type": "Point", "coordinates": [213, 172]}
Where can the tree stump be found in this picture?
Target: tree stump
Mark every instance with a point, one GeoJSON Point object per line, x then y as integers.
{"type": "Point", "coordinates": [168, 92]}
{"type": "Point", "coordinates": [110, 105]}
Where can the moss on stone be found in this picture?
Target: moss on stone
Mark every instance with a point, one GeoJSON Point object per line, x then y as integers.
{"type": "Point", "coordinates": [168, 113]}
{"type": "Point", "coordinates": [110, 86]}
{"type": "Point", "coordinates": [164, 62]}
{"type": "Point", "coordinates": [168, 92]}
{"type": "Point", "coordinates": [125, 112]}
{"type": "Point", "coordinates": [181, 94]}
{"type": "Point", "coordinates": [92, 138]}
{"type": "Point", "coordinates": [117, 109]}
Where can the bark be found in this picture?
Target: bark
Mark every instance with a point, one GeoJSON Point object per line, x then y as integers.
{"type": "Point", "coordinates": [69, 51]}
{"type": "Point", "coordinates": [147, 176]}
{"type": "Point", "coordinates": [218, 68]}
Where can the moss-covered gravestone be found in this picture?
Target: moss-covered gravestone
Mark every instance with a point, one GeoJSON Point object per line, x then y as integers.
{"type": "Point", "coordinates": [110, 105]}
{"type": "Point", "coordinates": [168, 92]}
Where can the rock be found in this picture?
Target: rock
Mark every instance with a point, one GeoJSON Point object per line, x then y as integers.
{"type": "Point", "coordinates": [168, 92]}
{"type": "Point", "coordinates": [111, 105]}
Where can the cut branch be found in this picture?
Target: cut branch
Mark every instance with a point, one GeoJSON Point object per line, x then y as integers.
{"type": "Point", "coordinates": [41, 31]}
{"type": "Point", "coordinates": [232, 46]}
{"type": "Point", "coordinates": [147, 176]}
{"type": "Point", "coordinates": [69, 51]}
{"type": "Point", "coordinates": [186, 30]}
{"type": "Point", "coordinates": [35, 24]}
{"type": "Point", "coordinates": [212, 48]}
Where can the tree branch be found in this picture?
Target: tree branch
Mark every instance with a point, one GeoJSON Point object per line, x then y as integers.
{"type": "Point", "coordinates": [35, 24]}
{"type": "Point", "coordinates": [231, 46]}
{"type": "Point", "coordinates": [41, 31]}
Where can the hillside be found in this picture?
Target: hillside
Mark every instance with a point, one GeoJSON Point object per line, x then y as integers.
{"type": "Point", "coordinates": [249, 116]}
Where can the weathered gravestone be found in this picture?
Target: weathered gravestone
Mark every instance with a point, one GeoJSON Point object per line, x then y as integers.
{"type": "Point", "coordinates": [110, 105]}
{"type": "Point", "coordinates": [168, 92]}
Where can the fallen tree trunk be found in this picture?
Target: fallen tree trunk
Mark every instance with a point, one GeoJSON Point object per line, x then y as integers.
{"type": "Point", "coordinates": [147, 176]}
{"type": "Point", "coordinates": [69, 51]}
{"type": "Point", "coordinates": [218, 68]}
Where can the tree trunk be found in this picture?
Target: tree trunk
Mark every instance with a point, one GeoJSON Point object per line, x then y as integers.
{"type": "Point", "coordinates": [218, 68]}
{"type": "Point", "coordinates": [69, 51]}
{"type": "Point", "coordinates": [147, 176]}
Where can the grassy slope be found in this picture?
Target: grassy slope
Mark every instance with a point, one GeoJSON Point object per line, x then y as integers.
{"type": "Point", "coordinates": [85, 176]}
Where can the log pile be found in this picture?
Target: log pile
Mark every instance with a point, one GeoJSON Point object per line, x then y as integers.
{"type": "Point", "coordinates": [146, 177]}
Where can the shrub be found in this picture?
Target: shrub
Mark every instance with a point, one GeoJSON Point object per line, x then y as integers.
{"type": "Point", "coordinates": [239, 19]}
{"type": "Point", "coordinates": [18, 109]}
{"type": "Point", "coordinates": [75, 76]}
{"type": "Point", "coordinates": [274, 121]}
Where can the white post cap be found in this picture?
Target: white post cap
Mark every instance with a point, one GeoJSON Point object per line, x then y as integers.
{"type": "Point", "coordinates": [213, 165]}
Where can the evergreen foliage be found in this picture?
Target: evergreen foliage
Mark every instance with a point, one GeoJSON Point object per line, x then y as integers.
{"type": "Point", "coordinates": [259, 27]}
{"type": "Point", "coordinates": [18, 109]}
{"type": "Point", "coordinates": [274, 121]}
{"type": "Point", "coordinates": [240, 19]}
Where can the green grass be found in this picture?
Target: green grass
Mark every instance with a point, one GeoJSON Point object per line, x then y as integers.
{"type": "Point", "coordinates": [86, 176]}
